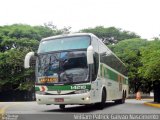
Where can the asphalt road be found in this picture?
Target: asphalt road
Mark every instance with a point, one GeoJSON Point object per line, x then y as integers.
{"type": "Point", "coordinates": [33, 111]}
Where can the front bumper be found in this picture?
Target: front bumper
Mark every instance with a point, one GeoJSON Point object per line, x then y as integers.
{"type": "Point", "coordinates": [68, 99]}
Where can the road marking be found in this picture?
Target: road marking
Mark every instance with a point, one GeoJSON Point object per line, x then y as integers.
{"type": "Point", "coordinates": [3, 109]}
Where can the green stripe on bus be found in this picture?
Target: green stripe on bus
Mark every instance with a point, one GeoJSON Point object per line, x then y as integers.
{"type": "Point", "coordinates": [66, 87]}
{"type": "Point", "coordinates": [126, 81]}
{"type": "Point", "coordinates": [37, 88]}
{"type": "Point", "coordinates": [110, 74]}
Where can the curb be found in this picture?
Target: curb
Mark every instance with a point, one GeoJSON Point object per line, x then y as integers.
{"type": "Point", "coordinates": [152, 104]}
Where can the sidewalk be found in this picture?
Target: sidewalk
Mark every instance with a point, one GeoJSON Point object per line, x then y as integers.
{"type": "Point", "coordinates": [152, 104]}
{"type": "Point", "coordinates": [148, 102]}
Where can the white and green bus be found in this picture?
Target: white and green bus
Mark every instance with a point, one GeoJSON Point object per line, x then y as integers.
{"type": "Point", "coordinates": [77, 69]}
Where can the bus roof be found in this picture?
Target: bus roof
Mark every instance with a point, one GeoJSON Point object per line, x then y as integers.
{"type": "Point", "coordinates": [67, 35]}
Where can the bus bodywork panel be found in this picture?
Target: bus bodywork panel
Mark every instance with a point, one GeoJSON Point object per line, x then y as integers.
{"type": "Point", "coordinates": [67, 94]}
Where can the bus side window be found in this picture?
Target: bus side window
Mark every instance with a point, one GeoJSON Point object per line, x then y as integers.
{"type": "Point", "coordinates": [96, 63]}
{"type": "Point", "coordinates": [95, 45]}
{"type": "Point", "coordinates": [94, 70]}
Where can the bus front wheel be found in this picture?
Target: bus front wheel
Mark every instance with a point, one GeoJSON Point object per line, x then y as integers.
{"type": "Point", "coordinates": [101, 105]}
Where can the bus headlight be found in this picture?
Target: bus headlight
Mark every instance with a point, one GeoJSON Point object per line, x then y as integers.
{"type": "Point", "coordinates": [81, 91]}
{"type": "Point", "coordinates": [87, 98]}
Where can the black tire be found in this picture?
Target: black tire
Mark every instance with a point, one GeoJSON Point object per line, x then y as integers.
{"type": "Point", "coordinates": [123, 98]}
{"type": "Point", "coordinates": [101, 105]}
{"type": "Point", "coordinates": [121, 101]}
{"type": "Point", "coordinates": [62, 107]}
{"type": "Point", "coordinates": [125, 94]}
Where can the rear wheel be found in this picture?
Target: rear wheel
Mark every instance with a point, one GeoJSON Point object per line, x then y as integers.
{"type": "Point", "coordinates": [101, 105]}
{"type": "Point", "coordinates": [121, 101]}
{"type": "Point", "coordinates": [62, 107]}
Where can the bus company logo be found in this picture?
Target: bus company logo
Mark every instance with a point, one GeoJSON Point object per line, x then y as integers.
{"type": "Point", "coordinates": [59, 91]}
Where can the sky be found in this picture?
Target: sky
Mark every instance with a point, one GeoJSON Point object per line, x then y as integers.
{"type": "Point", "coordinates": [139, 16]}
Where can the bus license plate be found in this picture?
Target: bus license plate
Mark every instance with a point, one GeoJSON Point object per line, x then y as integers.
{"type": "Point", "coordinates": [59, 99]}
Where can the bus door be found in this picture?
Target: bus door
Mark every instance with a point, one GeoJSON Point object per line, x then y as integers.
{"type": "Point", "coordinates": [95, 94]}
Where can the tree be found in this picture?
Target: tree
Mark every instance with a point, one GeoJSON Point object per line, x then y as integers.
{"type": "Point", "coordinates": [151, 66]}
{"type": "Point", "coordinates": [15, 41]}
{"type": "Point", "coordinates": [12, 52]}
{"type": "Point", "coordinates": [110, 35]}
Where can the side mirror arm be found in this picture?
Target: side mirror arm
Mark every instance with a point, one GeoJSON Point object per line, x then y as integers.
{"type": "Point", "coordinates": [90, 55]}
{"type": "Point", "coordinates": [27, 59]}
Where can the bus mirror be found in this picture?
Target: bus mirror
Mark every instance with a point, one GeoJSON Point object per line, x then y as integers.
{"type": "Point", "coordinates": [27, 59]}
{"type": "Point", "coordinates": [90, 55]}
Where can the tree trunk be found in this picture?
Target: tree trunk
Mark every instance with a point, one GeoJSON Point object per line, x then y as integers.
{"type": "Point", "coordinates": [156, 88]}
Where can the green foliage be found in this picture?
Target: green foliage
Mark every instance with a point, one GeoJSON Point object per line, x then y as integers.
{"type": "Point", "coordinates": [142, 59]}
{"type": "Point", "coordinates": [151, 61]}
{"type": "Point", "coordinates": [15, 41]}
{"type": "Point", "coordinates": [11, 65]}
{"type": "Point", "coordinates": [111, 34]}
{"type": "Point", "coordinates": [151, 66]}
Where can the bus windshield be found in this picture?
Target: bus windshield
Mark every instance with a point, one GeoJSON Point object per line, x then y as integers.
{"type": "Point", "coordinates": [66, 43]}
{"type": "Point", "coordinates": [62, 67]}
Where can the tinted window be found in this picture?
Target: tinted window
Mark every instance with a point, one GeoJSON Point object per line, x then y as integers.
{"type": "Point", "coordinates": [95, 45]}
{"type": "Point", "coordinates": [66, 67]}
{"type": "Point", "coordinates": [108, 58]}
